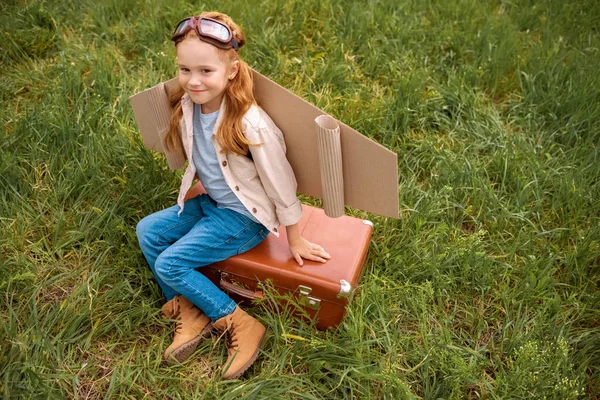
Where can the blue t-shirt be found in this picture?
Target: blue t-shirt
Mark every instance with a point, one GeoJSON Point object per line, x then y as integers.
{"type": "Point", "coordinates": [207, 166]}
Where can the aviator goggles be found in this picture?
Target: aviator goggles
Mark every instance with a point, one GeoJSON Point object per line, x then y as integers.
{"type": "Point", "coordinates": [209, 30]}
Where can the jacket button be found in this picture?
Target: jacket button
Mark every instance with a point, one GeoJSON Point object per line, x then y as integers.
{"type": "Point", "coordinates": [254, 210]}
{"type": "Point", "coordinates": [224, 163]}
{"type": "Point", "coordinates": [237, 188]}
{"type": "Point", "coordinates": [274, 229]}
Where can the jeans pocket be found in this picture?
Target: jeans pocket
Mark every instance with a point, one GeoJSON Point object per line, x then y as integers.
{"type": "Point", "coordinates": [254, 240]}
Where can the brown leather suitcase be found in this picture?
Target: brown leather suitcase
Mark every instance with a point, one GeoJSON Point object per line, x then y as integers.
{"type": "Point", "coordinates": [323, 290]}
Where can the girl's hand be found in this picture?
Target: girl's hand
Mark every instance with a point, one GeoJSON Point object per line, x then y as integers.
{"type": "Point", "coordinates": [302, 248]}
{"type": "Point", "coordinates": [307, 250]}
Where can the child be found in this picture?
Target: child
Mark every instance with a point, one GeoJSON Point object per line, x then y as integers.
{"type": "Point", "coordinates": [238, 154]}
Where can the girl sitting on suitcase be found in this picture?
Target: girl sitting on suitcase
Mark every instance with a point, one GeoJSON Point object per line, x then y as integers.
{"type": "Point", "coordinates": [239, 156]}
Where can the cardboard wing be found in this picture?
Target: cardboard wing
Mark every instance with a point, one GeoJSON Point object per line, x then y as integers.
{"type": "Point", "coordinates": [370, 171]}
{"type": "Point", "coordinates": [152, 112]}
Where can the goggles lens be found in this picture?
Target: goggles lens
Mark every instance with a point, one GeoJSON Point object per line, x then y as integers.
{"type": "Point", "coordinates": [182, 26]}
{"type": "Point", "coordinates": [215, 29]}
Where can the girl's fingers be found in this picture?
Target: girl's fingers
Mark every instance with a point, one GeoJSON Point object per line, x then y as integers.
{"type": "Point", "coordinates": [315, 257]}
{"type": "Point", "coordinates": [320, 251]}
{"type": "Point", "coordinates": [298, 259]}
{"type": "Point", "coordinates": [312, 255]}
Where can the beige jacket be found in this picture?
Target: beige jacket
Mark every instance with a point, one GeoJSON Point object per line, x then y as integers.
{"type": "Point", "coordinates": [265, 185]}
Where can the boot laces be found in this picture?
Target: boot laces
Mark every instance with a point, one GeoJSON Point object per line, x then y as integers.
{"type": "Point", "coordinates": [231, 339]}
{"type": "Point", "coordinates": [176, 314]}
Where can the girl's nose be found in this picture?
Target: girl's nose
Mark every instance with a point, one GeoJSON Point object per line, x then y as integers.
{"type": "Point", "coordinates": [195, 80]}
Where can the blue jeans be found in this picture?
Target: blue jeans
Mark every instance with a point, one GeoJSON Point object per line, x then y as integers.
{"type": "Point", "coordinates": [175, 246]}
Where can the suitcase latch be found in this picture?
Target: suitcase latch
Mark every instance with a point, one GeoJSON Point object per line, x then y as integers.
{"type": "Point", "coordinates": [305, 300]}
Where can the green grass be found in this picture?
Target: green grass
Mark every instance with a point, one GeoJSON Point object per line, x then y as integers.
{"type": "Point", "coordinates": [485, 287]}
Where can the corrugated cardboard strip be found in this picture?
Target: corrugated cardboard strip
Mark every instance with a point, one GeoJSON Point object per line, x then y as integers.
{"type": "Point", "coordinates": [330, 162]}
{"type": "Point", "coordinates": [369, 170]}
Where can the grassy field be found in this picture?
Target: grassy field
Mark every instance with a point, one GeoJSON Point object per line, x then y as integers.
{"type": "Point", "coordinates": [487, 286]}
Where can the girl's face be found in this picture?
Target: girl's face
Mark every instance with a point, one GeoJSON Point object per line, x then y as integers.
{"type": "Point", "coordinates": [204, 72]}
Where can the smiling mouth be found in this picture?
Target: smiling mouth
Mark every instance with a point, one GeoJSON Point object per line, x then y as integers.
{"type": "Point", "coordinates": [197, 91]}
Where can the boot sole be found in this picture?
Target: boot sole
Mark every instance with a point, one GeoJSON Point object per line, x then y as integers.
{"type": "Point", "coordinates": [250, 362]}
{"type": "Point", "coordinates": [183, 352]}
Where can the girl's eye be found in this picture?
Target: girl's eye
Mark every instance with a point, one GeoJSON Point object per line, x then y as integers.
{"type": "Point", "coordinates": [205, 71]}
{"type": "Point", "coordinates": [184, 70]}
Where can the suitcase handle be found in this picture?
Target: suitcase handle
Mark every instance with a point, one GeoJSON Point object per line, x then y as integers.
{"type": "Point", "coordinates": [247, 293]}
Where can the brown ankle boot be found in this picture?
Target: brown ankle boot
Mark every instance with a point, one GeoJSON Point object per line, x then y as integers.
{"type": "Point", "coordinates": [192, 325]}
{"type": "Point", "coordinates": [244, 336]}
